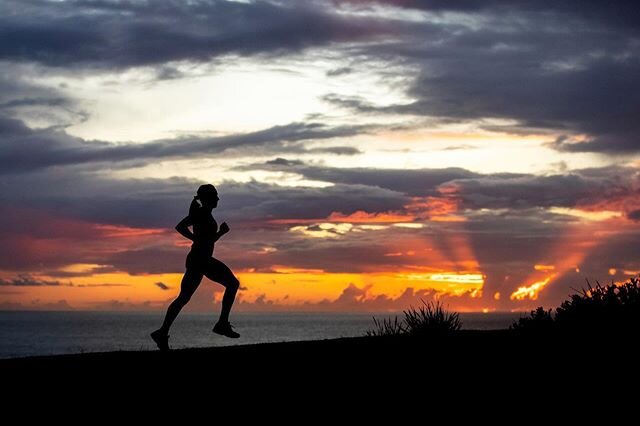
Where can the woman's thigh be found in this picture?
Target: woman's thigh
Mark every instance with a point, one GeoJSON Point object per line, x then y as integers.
{"type": "Point", "coordinates": [190, 282]}
{"type": "Point", "coordinates": [219, 272]}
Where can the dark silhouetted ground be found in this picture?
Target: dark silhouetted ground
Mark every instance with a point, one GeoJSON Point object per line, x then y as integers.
{"type": "Point", "coordinates": [499, 358]}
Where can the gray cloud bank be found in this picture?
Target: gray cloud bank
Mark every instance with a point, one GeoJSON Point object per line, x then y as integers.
{"type": "Point", "coordinates": [567, 66]}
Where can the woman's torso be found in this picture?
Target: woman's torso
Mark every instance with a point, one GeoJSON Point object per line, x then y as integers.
{"type": "Point", "coordinates": [204, 230]}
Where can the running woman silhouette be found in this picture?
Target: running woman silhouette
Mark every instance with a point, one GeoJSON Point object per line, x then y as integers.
{"type": "Point", "coordinates": [199, 263]}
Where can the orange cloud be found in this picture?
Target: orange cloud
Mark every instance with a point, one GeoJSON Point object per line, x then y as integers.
{"type": "Point", "coordinates": [544, 267]}
{"type": "Point", "coordinates": [364, 217]}
{"type": "Point", "coordinates": [567, 254]}
{"type": "Point", "coordinates": [440, 209]}
{"type": "Point", "coordinates": [531, 291]}
{"type": "Point", "coordinates": [116, 231]}
{"type": "Point", "coordinates": [356, 217]}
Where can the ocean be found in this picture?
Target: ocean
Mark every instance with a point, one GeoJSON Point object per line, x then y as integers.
{"type": "Point", "coordinates": [47, 333]}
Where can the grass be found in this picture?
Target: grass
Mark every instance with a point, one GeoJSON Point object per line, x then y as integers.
{"type": "Point", "coordinates": [429, 319]}
{"type": "Point", "coordinates": [386, 327]}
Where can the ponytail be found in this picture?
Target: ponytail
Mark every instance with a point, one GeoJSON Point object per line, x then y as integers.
{"type": "Point", "coordinates": [194, 208]}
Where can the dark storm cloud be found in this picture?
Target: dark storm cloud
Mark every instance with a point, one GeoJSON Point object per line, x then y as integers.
{"type": "Point", "coordinates": [541, 82]}
{"type": "Point", "coordinates": [615, 12]}
{"type": "Point", "coordinates": [337, 150]}
{"type": "Point", "coordinates": [585, 187]}
{"type": "Point", "coordinates": [146, 203]}
{"type": "Point", "coordinates": [599, 100]}
{"type": "Point", "coordinates": [151, 203]}
{"type": "Point", "coordinates": [121, 34]}
{"type": "Point", "coordinates": [634, 215]}
{"type": "Point", "coordinates": [568, 66]}
{"type": "Point", "coordinates": [16, 91]}
{"type": "Point", "coordinates": [23, 149]}
{"type": "Point", "coordinates": [578, 188]}
{"type": "Point", "coordinates": [416, 182]}
{"type": "Point", "coordinates": [258, 201]}
{"type": "Point", "coordinates": [612, 144]}
{"type": "Point", "coordinates": [10, 127]}
{"type": "Point", "coordinates": [339, 71]}
{"type": "Point", "coordinates": [49, 102]}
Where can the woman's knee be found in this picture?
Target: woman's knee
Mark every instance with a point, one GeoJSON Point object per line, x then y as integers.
{"type": "Point", "coordinates": [233, 283]}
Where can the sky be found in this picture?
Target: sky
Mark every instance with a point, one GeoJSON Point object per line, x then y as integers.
{"type": "Point", "coordinates": [368, 154]}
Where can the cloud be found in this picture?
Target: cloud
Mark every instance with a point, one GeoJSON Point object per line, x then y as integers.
{"type": "Point", "coordinates": [39, 237]}
{"type": "Point", "coordinates": [62, 222]}
{"type": "Point", "coordinates": [101, 285]}
{"type": "Point", "coordinates": [337, 150]}
{"type": "Point", "coordinates": [162, 286]}
{"type": "Point", "coordinates": [615, 13]}
{"type": "Point", "coordinates": [126, 305]}
{"type": "Point", "coordinates": [258, 201]}
{"type": "Point", "coordinates": [49, 102]}
{"type": "Point", "coordinates": [23, 94]}
{"type": "Point", "coordinates": [339, 71]}
{"type": "Point", "coordinates": [160, 203]}
{"type": "Point", "coordinates": [62, 210]}
{"type": "Point", "coordinates": [356, 299]}
{"type": "Point", "coordinates": [36, 304]}
{"type": "Point", "coordinates": [113, 35]}
{"type": "Point", "coordinates": [608, 188]}
{"type": "Point", "coordinates": [412, 182]}
{"type": "Point", "coordinates": [576, 188]}
{"type": "Point", "coordinates": [634, 215]}
{"type": "Point", "coordinates": [534, 65]}
{"type": "Point", "coordinates": [23, 149]}
{"type": "Point", "coordinates": [28, 280]}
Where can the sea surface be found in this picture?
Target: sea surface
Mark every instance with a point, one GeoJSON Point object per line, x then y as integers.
{"type": "Point", "coordinates": [47, 333]}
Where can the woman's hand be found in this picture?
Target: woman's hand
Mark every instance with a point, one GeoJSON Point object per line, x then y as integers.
{"type": "Point", "coordinates": [224, 228]}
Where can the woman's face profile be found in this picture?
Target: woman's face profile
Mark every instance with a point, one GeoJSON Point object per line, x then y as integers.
{"type": "Point", "coordinates": [210, 199]}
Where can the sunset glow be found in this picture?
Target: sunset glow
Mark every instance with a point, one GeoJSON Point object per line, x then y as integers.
{"type": "Point", "coordinates": [367, 155]}
{"type": "Point", "coordinates": [530, 291]}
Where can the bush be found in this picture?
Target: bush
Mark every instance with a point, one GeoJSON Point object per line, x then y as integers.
{"type": "Point", "coordinates": [429, 319]}
{"type": "Point", "coordinates": [386, 327]}
{"type": "Point", "coordinates": [537, 321]}
{"type": "Point", "coordinates": [610, 308]}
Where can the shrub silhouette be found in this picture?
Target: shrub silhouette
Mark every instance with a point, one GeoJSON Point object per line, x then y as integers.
{"type": "Point", "coordinates": [610, 308]}
{"type": "Point", "coordinates": [429, 319]}
{"type": "Point", "coordinates": [386, 327]}
{"type": "Point", "coordinates": [538, 321]}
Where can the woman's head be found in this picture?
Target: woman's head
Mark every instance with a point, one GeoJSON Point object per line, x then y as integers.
{"type": "Point", "coordinates": [208, 195]}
